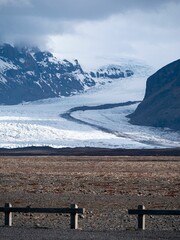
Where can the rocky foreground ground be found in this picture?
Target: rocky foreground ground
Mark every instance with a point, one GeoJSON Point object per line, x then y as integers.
{"type": "Point", "coordinates": [105, 186]}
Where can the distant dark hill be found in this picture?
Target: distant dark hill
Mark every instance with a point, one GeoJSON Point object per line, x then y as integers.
{"type": "Point", "coordinates": [161, 104]}
{"type": "Point", "coordinates": [49, 151]}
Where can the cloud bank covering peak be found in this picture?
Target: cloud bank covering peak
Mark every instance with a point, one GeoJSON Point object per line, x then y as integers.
{"type": "Point", "coordinates": [86, 29]}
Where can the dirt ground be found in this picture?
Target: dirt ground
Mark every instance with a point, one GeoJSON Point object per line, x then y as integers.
{"type": "Point", "coordinates": [105, 186]}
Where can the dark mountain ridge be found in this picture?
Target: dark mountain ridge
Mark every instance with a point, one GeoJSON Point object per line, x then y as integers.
{"type": "Point", "coordinates": [161, 104]}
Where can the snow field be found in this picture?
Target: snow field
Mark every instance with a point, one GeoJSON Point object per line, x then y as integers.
{"type": "Point", "coordinates": [40, 124]}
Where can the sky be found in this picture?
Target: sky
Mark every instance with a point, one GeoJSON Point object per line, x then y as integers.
{"type": "Point", "coordinates": [95, 31]}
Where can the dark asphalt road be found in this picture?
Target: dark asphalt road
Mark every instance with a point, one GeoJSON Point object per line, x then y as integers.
{"type": "Point", "coordinates": [14, 233]}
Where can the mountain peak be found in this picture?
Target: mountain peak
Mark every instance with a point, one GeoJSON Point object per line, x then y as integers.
{"type": "Point", "coordinates": [27, 49]}
{"type": "Point", "coordinates": [28, 74]}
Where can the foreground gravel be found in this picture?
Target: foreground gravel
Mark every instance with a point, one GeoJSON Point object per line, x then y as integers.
{"type": "Point", "coordinates": [105, 186]}
{"type": "Point", "coordinates": [49, 234]}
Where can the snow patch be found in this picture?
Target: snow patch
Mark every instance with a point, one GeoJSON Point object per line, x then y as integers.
{"type": "Point", "coordinates": [6, 65]}
{"type": "Point", "coordinates": [22, 60]}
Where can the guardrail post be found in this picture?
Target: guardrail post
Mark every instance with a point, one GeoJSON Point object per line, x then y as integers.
{"type": "Point", "coordinates": [141, 218]}
{"type": "Point", "coordinates": [8, 215]}
{"type": "Point", "coordinates": [74, 217]}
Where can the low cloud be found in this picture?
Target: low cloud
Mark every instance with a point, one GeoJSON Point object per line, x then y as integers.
{"type": "Point", "coordinates": [35, 20]}
{"type": "Point", "coordinates": [138, 28]}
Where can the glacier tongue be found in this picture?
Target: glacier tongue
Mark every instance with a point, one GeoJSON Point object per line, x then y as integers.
{"type": "Point", "coordinates": [39, 123]}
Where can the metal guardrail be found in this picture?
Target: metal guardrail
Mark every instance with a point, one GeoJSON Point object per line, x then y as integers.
{"type": "Point", "coordinates": [141, 212]}
{"type": "Point", "coordinates": [74, 211]}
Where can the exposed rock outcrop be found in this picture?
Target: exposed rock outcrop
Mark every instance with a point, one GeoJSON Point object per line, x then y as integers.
{"type": "Point", "coordinates": [161, 104]}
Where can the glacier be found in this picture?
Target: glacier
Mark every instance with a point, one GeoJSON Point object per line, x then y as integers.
{"type": "Point", "coordinates": [40, 123]}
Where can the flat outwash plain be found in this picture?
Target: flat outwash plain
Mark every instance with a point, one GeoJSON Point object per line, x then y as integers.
{"type": "Point", "coordinates": [106, 186]}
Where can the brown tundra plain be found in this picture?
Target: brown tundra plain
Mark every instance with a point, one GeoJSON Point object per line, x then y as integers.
{"type": "Point", "coordinates": [106, 186]}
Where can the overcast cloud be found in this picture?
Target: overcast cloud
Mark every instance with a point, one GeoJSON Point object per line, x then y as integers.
{"type": "Point", "coordinates": [85, 29]}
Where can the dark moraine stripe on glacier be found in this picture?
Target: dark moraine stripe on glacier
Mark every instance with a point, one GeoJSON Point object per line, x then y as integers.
{"type": "Point", "coordinates": [67, 115]}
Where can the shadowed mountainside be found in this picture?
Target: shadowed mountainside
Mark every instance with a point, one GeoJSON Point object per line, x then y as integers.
{"type": "Point", "coordinates": [161, 104]}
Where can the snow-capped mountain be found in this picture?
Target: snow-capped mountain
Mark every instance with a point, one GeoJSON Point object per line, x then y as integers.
{"type": "Point", "coordinates": [111, 72]}
{"type": "Point", "coordinates": [28, 74]}
{"type": "Point", "coordinates": [96, 118]}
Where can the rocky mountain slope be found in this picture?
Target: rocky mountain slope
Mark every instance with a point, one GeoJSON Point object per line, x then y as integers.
{"type": "Point", "coordinates": [28, 74]}
{"type": "Point", "coordinates": [161, 104]}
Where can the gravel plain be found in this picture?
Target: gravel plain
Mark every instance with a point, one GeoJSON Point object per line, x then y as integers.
{"type": "Point", "coordinates": [106, 186]}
